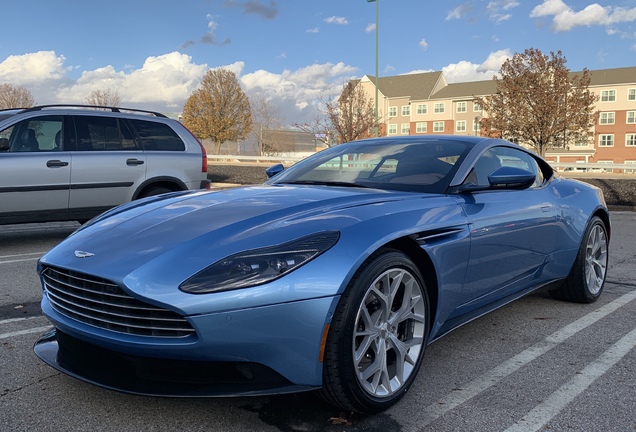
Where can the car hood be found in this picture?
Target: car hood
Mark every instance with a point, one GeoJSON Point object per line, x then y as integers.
{"type": "Point", "coordinates": [207, 226]}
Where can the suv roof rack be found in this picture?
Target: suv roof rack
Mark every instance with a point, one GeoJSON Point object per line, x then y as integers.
{"type": "Point", "coordinates": [99, 107]}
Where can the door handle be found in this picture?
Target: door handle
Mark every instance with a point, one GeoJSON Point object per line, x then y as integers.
{"type": "Point", "coordinates": [56, 163]}
{"type": "Point", "coordinates": [134, 162]}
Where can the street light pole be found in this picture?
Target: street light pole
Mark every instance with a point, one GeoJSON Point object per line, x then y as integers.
{"type": "Point", "coordinates": [377, 15]}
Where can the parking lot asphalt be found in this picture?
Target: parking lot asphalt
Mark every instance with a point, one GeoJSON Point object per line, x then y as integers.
{"type": "Point", "coordinates": [534, 365]}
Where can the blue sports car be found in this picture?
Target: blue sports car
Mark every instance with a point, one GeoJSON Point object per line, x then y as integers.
{"type": "Point", "coordinates": [334, 275]}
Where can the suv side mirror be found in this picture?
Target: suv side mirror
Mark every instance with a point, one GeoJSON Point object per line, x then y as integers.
{"type": "Point", "coordinates": [274, 170]}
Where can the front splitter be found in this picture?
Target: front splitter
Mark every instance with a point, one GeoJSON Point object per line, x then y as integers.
{"type": "Point", "coordinates": [158, 377]}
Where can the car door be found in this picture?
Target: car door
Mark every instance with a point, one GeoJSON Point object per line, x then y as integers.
{"type": "Point", "coordinates": [514, 233]}
{"type": "Point", "coordinates": [108, 165]}
{"type": "Point", "coordinates": [34, 170]}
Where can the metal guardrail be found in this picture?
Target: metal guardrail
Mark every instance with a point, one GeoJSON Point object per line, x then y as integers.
{"type": "Point", "coordinates": [561, 166]}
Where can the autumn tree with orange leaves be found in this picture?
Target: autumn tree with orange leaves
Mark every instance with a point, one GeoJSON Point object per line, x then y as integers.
{"type": "Point", "coordinates": [218, 110]}
{"type": "Point", "coordinates": [539, 102]}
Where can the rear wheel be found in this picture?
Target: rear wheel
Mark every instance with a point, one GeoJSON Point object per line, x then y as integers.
{"type": "Point", "coordinates": [157, 190]}
{"type": "Point", "coordinates": [377, 336]}
{"type": "Point", "coordinates": [587, 278]}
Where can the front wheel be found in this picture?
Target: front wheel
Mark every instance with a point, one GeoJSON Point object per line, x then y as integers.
{"type": "Point", "coordinates": [377, 336]}
{"type": "Point", "coordinates": [587, 278]}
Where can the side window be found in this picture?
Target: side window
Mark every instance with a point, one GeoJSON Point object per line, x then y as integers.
{"type": "Point", "coordinates": [157, 136]}
{"type": "Point", "coordinates": [103, 134]}
{"type": "Point", "coordinates": [38, 134]}
{"type": "Point", "coordinates": [499, 157]}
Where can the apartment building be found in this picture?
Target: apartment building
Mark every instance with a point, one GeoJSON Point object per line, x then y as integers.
{"type": "Point", "coordinates": [426, 103]}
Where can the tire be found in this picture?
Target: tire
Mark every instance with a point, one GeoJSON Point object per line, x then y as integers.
{"type": "Point", "coordinates": [158, 190]}
{"type": "Point", "coordinates": [377, 336]}
{"type": "Point", "coordinates": [585, 282]}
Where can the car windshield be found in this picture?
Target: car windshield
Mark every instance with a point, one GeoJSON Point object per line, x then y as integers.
{"type": "Point", "coordinates": [419, 166]}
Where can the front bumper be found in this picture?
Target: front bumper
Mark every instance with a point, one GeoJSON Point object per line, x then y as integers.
{"type": "Point", "coordinates": [266, 350]}
{"type": "Point", "coordinates": [158, 377]}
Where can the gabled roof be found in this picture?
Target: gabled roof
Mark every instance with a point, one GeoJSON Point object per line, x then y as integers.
{"type": "Point", "coordinates": [623, 76]}
{"type": "Point", "coordinates": [466, 90]}
{"type": "Point", "coordinates": [416, 86]}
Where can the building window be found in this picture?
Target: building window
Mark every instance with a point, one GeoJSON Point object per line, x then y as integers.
{"type": "Point", "coordinates": [392, 129]}
{"type": "Point", "coordinates": [462, 107]}
{"type": "Point", "coordinates": [477, 125]}
{"type": "Point", "coordinates": [630, 162]}
{"type": "Point", "coordinates": [392, 111]}
{"type": "Point", "coordinates": [406, 128]}
{"type": "Point", "coordinates": [422, 108]}
{"type": "Point", "coordinates": [438, 126]}
{"type": "Point", "coordinates": [460, 126]}
{"type": "Point", "coordinates": [420, 127]}
{"type": "Point", "coordinates": [607, 118]}
{"type": "Point", "coordinates": [630, 140]}
{"type": "Point", "coordinates": [439, 108]}
{"type": "Point", "coordinates": [406, 110]}
{"type": "Point", "coordinates": [631, 94]}
{"type": "Point", "coordinates": [477, 107]}
{"type": "Point", "coordinates": [631, 117]}
{"type": "Point", "coordinates": [608, 95]}
{"type": "Point", "coordinates": [606, 140]}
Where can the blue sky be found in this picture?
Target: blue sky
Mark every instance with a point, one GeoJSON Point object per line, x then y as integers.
{"type": "Point", "coordinates": [293, 52]}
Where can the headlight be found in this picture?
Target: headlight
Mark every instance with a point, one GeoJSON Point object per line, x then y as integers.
{"type": "Point", "coordinates": [259, 266]}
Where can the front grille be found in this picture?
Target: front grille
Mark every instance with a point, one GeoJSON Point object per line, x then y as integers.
{"type": "Point", "coordinates": [103, 304]}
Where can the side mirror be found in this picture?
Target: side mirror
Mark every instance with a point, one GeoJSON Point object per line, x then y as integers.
{"type": "Point", "coordinates": [274, 170]}
{"type": "Point", "coordinates": [511, 178]}
{"type": "Point", "coordinates": [506, 177]}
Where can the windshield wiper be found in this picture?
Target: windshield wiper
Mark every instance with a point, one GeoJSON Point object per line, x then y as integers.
{"type": "Point", "coordinates": [323, 183]}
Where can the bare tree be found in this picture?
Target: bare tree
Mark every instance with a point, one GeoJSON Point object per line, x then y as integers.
{"type": "Point", "coordinates": [266, 117]}
{"type": "Point", "coordinates": [350, 117]}
{"type": "Point", "coordinates": [15, 97]}
{"type": "Point", "coordinates": [108, 97]}
{"type": "Point", "coordinates": [219, 110]}
{"type": "Point", "coordinates": [539, 102]}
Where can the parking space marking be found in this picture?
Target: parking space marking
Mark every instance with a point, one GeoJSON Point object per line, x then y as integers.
{"type": "Point", "coordinates": [23, 332]}
{"type": "Point", "coordinates": [12, 320]}
{"type": "Point", "coordinates": [487, 380]}
{"type": "Point", "coordinates": [7, 259]}
{"type": "Point", "coordinates": [557, 401]}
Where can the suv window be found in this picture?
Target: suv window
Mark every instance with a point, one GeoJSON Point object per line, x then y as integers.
{"type": "Point", "coordinates": [157, 136]}
{"type": "Point", "coordinates": [103, 134]}
{"type": "Point", "coordinates": [33, 135]}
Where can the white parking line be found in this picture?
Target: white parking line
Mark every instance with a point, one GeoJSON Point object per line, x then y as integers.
{"type": "Point", "coordinates": [12, 320]}
{"type": "Point", "coordinates": [546, 411]}
{"type": "Point", "coordinates": [23, 332]}
{"type": "Point", "coordinates": [484, 382]}
{"type": "Point", "coordinates": [7, 259]}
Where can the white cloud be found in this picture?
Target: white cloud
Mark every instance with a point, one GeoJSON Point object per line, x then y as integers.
{"type": "Point", "coordinates": [297, 93]}
{"type": "Point", "coordinates": [423, 44]}
{"type": "Point", "coordinates": [168, 79]}
{"type": "Point", "coordinates": [565, 18]}
{"type": "Point", "coordinates": [32, 68]}
{"type": "Point", "coordinates": [336, 20]}
{"type": "Point", "coordinates": [370, 28]}
{"type": "Point", "coordinates": [466, 71]}
{"type": "Point", "coordinates": [458, 12]}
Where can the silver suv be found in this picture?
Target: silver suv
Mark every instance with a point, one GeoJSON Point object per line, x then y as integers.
{"type": "Point", "coordinates": [72, 162]}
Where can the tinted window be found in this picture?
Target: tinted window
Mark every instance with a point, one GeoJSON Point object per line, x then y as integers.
{"type": "Point", "coordinates": [502, 156]}
{"type": "Point", "coordinates": [425, 166]}
{"type": "Point", "coordinates": [102, 134]}
{"type": "Point", "coordinates": [33, 135]}
{"type": "Point", "coordinates": [157, 136]}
